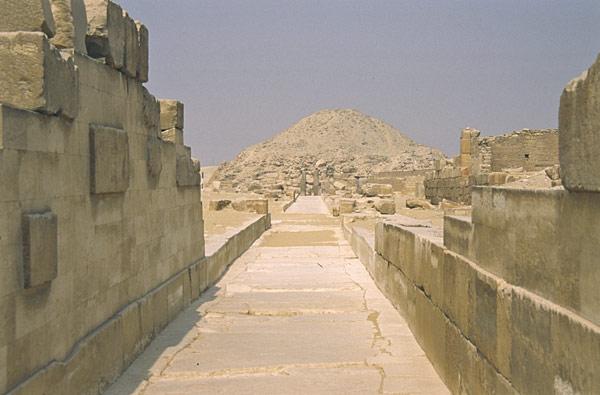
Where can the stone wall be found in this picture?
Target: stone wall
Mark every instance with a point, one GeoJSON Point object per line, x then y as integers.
{"type": "Point", "coordinates": [408, 183]}
{"type": "Point", "coordinates": [100, 210]}
{"type": "Point", "coordinates": [508, 301]}
{"type": "Point", "coordinates": [482, 161]}
{"type": "Point", "coordinates": [453, 186]}
{"type": "Point", "coordinates": [506, 308]}
{"type": "Point", "coordinates": [530, 149]}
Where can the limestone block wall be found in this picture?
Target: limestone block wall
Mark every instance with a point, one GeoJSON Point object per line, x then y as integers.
{"type": "Point", "coordinates": [406, 182]}
{"type": "Point", "coordinates": [448, 183]}
{"type": "Point", "coordinates": [481, 157]}
{"type": "Point", "coordinates": [508, 300]}
{"type": "Point", "coordinates": [530, 149]}
{"type": "Point", "coordinates": [509, 309]}
{"type": "Point", "coordinates": [98, 214]}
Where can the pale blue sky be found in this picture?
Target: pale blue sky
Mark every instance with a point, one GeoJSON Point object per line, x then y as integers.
{"type": "Point", "coordinates": [248, 69]}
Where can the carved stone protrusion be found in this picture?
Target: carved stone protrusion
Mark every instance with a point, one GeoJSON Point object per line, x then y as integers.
{"type": "Point", "coordinates": [40, 248]}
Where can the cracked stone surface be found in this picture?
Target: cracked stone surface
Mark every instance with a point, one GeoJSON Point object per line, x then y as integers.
{"type": "Point", "coordinates": [302, 319]}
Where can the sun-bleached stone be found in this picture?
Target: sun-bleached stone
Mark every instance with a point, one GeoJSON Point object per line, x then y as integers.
{"type": "Point", "coordinates": [35, 76]}
{"type": "Point", "coordinates": [27, 16]}
{"type": "Point", "coordinates": [579, 137]}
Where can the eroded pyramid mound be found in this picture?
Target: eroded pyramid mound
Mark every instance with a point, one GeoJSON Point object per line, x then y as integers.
{"type": "Point", "coordinates": [336, 144]}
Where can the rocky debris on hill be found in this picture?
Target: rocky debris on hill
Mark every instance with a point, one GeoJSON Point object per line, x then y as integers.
{"type": "Point", "coordinates": [331, 147]}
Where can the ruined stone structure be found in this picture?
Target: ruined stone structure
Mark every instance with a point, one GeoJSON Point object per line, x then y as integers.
{"type": "Point", "coordinates": [483, 161]}
{"type": "Point", "coordinates": [101, 227]}
{"type": "Point", "coordinates": [530, 150]}
{"type": "Point", "coordinates": [408, 182]}
{"type": "Point", "coordinates": [508, 300]}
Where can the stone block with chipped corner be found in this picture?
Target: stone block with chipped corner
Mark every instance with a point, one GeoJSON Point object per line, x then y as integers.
{"type": "Point", "coordinates": [36, 77]}
{"type": "Point", "coordinates": [171, 114]}
{"type": "Point", "coordinates": [27, 16]}
{"type": "Point", "coordinates": [106, 32]}
{"type": "Point", "coordinates": [173, 135]}
{"type": "Point", "coordinates": [71, 25]}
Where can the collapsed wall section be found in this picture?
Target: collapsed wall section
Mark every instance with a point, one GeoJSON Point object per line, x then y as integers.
{"type": "Point", "coordinates": [98, 209]}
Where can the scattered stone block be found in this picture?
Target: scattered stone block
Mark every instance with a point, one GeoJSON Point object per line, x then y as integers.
{"type": "Point", "coordinates": [419, 203]}
{"type": "Point", "coordinates": [109, 160]}
{"type": "Point", "coordinates": [579, 137]}
{"type": "Point", "coordinates": [385, 206]}
{"type": "Point", "coordinates": [40, 249]}
{"type": "Point", "coordinates": [381, 190]}
{"type": "Point", "coordinates": [338, 185]}
{"type": "Point", "coordinates": [71, 25]}
{"type": "Point", "coordinates": [36, 77]}
{"type": "Point", "coordinates": [173, 135]}
{"type": "Point", "coordinates": [258, 206]}
{"type": "Point", "coordinates": [106, 32]}
{"type": "Point", "coordinates": [553, 172]}
{"type": "Point", "coordinates": [218, 205]}
{"type": "Point", "coordinates": [142, 69]}
{"type": "Point", "coordinates": [171, 114]}
{"type": "Point", "coordinates": [27, 16]}
{"type": "Point", "coordinates": [347, 206]}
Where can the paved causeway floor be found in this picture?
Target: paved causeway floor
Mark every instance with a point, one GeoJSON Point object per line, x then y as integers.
{"type": "Point", "coordinates": [296, 314]}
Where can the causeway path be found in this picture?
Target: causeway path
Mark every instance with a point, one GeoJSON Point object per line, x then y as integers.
{"type": "Point", "coordinates": [296, 314]}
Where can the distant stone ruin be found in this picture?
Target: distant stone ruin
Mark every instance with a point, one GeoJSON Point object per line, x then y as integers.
{"type": "Point", "coordinates": [491, 160]}
{"type": "Point", "coordinates": [332, 147]}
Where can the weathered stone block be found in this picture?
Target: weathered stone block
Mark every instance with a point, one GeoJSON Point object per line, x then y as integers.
{"type": "Point", "coordinates": [218, 205]}
{"type": "Point", "coordinates": [576, 352]}
{"type": "Point", "coordinates": [385, 206]}
{"type": "Point", "coordinates": [154, 160]}
{"type": "Point", "coordinates": [458, 288]}
{"type": "Point", "coordinates": [30, 131]}
{"type": "Point", "coordinates": [171, 114]}
{"type": "Point", "coordinates": [106, 32]}
{"type": "Point", "coordinates": [185, 172]}
{"type": "Point", "coordinates": [131, 46]}
{"type": "Point", "coordinates": [381, 190]}
{"type": "Point", "coordinates": [173, 135]}
{"type": "Point", "coordinates": [71, 25]}
{"type": "Point", "coordinates": [458, 235]}
{"type": "Point", "coordinates": [347, 206]}
{"type": "Point", "coordinates": [484, 331]}
{"type": "Point", "coordinates": [35, 76]}
{"type": "Point", "coordinates": [258, 206]}
{"type": "Point", "coordinates": [109, 160]}
{"type": "Point", "coordinates": [151, 112]}
{"type": "Point", "coordinates": [579, 125]}
{"type": "Point", "coordinates": [142, 69]}
{"type": "Point", "coordinates": [40, 248]}
{"type": "Point", "coordinates": [27, 16]}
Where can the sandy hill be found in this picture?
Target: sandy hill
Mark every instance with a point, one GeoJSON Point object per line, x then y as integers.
{"type": "Point", "coordinates": [340, 143]}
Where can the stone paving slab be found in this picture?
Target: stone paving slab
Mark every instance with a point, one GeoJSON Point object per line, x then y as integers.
{"type": "Point", "coordinates": [305, 319]}
{"type": "Point", "coordinates": [358, 379]}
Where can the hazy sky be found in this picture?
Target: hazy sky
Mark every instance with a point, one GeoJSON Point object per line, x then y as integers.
{"type": "Point", "coordinates": [249, 69]}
